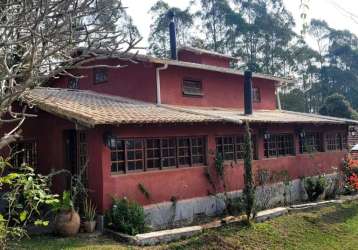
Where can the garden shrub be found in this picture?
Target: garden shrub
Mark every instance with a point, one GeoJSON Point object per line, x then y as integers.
{"type": "Point", "coordinates": [126, 217]}
{"type": "Point", "coordinates": [235, 206]}
{"type": "Point", "coordinates": [314, 187]}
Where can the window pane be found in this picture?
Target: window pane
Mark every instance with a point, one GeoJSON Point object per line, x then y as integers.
{"type": "Point", "coordinates": [279, 145]}
{"type": "Point", "coordinates": [192, 87]}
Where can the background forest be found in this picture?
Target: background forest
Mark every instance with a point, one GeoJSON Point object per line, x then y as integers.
{"type": "Point", "coordinates": [261, 34]}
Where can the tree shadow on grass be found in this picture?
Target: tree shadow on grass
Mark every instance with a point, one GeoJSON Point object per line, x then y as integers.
{"type": "Point", "coordinates": [340, 213]}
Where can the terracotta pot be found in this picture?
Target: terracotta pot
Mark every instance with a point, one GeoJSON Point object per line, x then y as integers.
{"type": "Point", "coordinates": [67, 223]}
{"type": "Point", "coordinates": [89, 226]}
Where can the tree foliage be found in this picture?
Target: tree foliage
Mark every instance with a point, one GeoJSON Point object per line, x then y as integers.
{"type": "Point", "coordinates": [38, 40]}
{"type": "Point", "coordinates": [336, 105]}
{"type": "Point", "coordinates": [261, 34]}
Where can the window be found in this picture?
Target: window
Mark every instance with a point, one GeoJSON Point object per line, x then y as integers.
{"type": "Point", "coordinates": [311, 142]}
{"type": "Point", "coordinates": [256, 95]}
{"type": "Point", "coordinates": [278, 145]}
{"type": "Point", "coordinates": [192, 87]}
{"type": "Point", "coordinates": [73, 83]}
{"type": "Point", "coordinates": [232, 147]}
{"type": "Point", "coordinates": [100, 75]}
{"type": "Point", "coordinates": [157, 153]}
{"type": "Point", "coordinates": [135, 154]}
{"type": "Point", "coordinates": [25, 152]}
{"type": "Point", "coordinates": [336, 141]}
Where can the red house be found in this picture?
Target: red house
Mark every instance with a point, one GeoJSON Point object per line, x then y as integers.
{"type": "Point", "coordinates": [159, 124]}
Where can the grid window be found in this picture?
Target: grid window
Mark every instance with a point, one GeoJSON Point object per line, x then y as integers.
{"type": "Point", "coordinates": [197, 150]}
{"type": "Point", "coordinates": [311, 142]}
{"type": "Point", "coordinates": [100, 75]}
{"type": "Point", "coordinates": [157, 153]}
{"type": "Point", "coordinates": [336, 141]}
{"type": "Point", "coordinates": [118, 157]}
{"type": "Point", "coordinates": [153, 153]}
{"type": "Point", "coordinates": [256, 95]}
{"type": "Point", "coordinates": [25, 152]}
{"type": "Point", "coordinates": [279, 145]}
{"type": "Point", "coordinates": [192, 87]}
{"type": "Point", "coordinates": [184, 151]}
{"type": "Point", "coordinates": [73, 83]}
{"type": "Point", "coordinates": [168, 148]}
{"type": "Point", "coordinates": [232, 147]}
{"type": "Point", "coordinates": [135, 156]}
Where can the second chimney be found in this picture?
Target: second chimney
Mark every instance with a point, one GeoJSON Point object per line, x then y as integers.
{"type": "Point", "coordinates": [172, 36]}
{"type": "Point", "coordinates": [248, 92]}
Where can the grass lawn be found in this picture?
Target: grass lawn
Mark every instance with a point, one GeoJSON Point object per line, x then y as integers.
{"type": "Point", "coordinates": [333, 227]}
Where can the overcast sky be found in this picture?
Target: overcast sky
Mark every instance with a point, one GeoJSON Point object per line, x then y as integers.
{"type": "Point", "coordinates": [339, 14]}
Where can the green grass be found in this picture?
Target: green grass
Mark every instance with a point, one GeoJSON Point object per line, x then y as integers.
{"type": "Point", "coordinates": [333, 227]}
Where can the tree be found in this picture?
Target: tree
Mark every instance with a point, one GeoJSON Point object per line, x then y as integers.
{"type": "Point", "coordinates": [336, 105]}
{"type": "Point", "coordinates": [38, 40]}
{"type": "Point", "coordinates": [293, 100]}
{"type": "Point", "coordinates": [159, 35]}
{"type": "Point", "coordinates": [249, 189]}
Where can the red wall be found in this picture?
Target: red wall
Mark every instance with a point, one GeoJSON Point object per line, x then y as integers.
{"type": "Point", "coordinates": [135, 81]}
{"type": "Point", "coordinates": [138, 81]}
{"type": "Point", "coordinates": [188, 56]}
{"type": "Point", "coordinates": [184, 183]}
{"type": "Point", "coordinates": [220, 90]}
{"type": "Point", "coordinates": [47, 130]}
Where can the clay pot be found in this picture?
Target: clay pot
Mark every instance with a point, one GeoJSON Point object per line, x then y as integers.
{"type": "Point", "coordinates": [89, 226]}
{"type": "Point", "coordinates": [67, 223]}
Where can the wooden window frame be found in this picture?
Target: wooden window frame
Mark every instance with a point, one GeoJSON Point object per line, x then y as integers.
{"type": "Point", "coordinates": [170, 147]}
{"type": "Point", "coordinates": [256, 95]}
{"type": "Point", "coordinates": [100, 70]}
{"type": "Point", "coordinates": [34, 151]}
{"type": "Point", "coordinates": [340, 141]}
{"type": "Point", "coordinates": [77, 82]}
{"type": "Point", "coordinates": [192, 94]}
{"type": "Point", "coordinates": [316, 143]}
{"type": "Point", "coordinates": [237, 142]}
{"type": "Point", "coordinates": [279, 144]}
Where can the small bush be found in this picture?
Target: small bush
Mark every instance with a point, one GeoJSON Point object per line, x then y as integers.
{"type": "Point", "coordinates": [126, 217]}
{"type": "Point", "coordinates": [314, 187]}
{"type": "Point", "coordinates": [235, 206]}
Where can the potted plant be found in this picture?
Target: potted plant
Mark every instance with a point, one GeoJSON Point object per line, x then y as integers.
{"type": "Point", "coordinates": [67, 220]}
{"type": "Point", "coordinates": [89, 213]}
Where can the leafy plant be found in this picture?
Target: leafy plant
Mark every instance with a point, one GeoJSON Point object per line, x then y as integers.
{"type": "Point", "coordinates": [144, 190]}
{"type": "Point", "coordinates": [126, 217]}
{"type": "Point", "coordinates": [65, 203]}
{"type": "Point", "coordinates": [89, 210]}
{"type": "Point", "coordinates": [25, 195]}
{"type": "Point", "coordinates": [314, 186]}
{"type": "Point", "coordinates": [219, 165]}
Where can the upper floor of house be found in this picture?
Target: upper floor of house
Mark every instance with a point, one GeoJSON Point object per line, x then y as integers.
{"type": "Point", "coordinates": [195, 78]}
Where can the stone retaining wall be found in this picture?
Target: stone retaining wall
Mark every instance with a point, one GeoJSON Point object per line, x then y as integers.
{"type": "Point", "coordinates": [184, 212]}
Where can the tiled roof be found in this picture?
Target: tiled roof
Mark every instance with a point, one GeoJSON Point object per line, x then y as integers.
{"type": "Point", "coordinates": [204, 51]}
{"type": "Point", "coordinates": [91, 109]}
{"type": "Point", "coordinates": [268, 116]}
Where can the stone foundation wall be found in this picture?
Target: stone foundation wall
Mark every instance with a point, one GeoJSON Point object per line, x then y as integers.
{"type": "Point", "coordinates": [183, 212]}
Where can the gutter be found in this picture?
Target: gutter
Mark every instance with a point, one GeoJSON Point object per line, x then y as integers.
{"type": "Point", "coordinates": [157, 71]}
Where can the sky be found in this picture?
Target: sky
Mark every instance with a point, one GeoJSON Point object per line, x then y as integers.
{"type": "Point", "coordinates": [339, 14]}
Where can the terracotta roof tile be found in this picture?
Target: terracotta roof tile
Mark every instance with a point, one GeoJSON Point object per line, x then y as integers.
{"type": "Point", "coordinates": [91, 108]}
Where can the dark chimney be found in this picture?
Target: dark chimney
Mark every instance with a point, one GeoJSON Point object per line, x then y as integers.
{"type": "Point", "coordinates": [248, 92]}
{"type": "Point", "coordinates": [172, 35]}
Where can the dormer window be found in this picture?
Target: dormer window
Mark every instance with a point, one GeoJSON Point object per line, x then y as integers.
{"type": "Point", "coordinates": [256, 95]}
{"type": "Point", "coordinates": [100, 75]}
{"type": "Point", "coordinates": [73, 83]}
{"type": "Point", "coordinates": [192, 87]}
